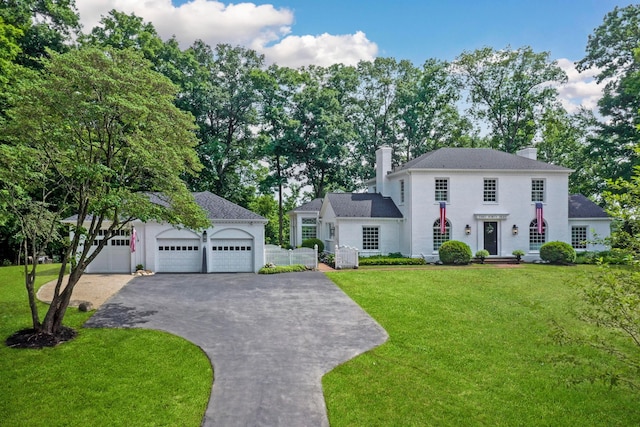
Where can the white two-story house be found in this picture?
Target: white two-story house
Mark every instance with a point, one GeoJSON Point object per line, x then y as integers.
{"type": "Point", "coordinates": [486, 198]}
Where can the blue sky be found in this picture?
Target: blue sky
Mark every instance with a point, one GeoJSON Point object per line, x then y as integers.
{"type": "Point", "coordinates": [418, 30]}
{"type": "Point", "coordinates": [322, 32]}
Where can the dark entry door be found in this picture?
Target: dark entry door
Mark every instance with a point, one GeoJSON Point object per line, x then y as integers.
{"type": "Point", "coordinates": [491, 237]}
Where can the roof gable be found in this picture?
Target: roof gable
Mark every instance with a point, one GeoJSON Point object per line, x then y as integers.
{"type": "Point", "coordinates": [363, 205]}
{"type": "Point", "coordinates": [313, 206]}
{"type": "Point", "coordinates": [477, 159]}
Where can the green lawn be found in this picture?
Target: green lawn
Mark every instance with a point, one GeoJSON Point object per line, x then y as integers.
{"type": "Point", "coordinates": [105, 377]}
{"type": "Point", "coordinates": [474, 346]}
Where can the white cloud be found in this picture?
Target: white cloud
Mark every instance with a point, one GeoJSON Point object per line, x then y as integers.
{"type": "Point", "coordinates": [263, 28]}
{"type": "Point", "coordinates": [324, 50]}
{"type": "Point", "coordinates": [581, 89]}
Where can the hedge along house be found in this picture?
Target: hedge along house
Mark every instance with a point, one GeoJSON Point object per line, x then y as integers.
{"type": "Point", "coordinates": [233, 243]}
{"type": "Point", "coordinates": [486, 198]}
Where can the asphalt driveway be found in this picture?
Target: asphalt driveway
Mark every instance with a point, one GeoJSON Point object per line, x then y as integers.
{"type": "Point", "coordinates": [270, 338]}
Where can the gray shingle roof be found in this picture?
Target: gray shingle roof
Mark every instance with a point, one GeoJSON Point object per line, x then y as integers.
{"type": "Point", "coordinates": [219, 208]}
{"type": "Point", "coordinates": [311, 206]}
{"type": "Point", "coordinates": [215, 206]}
{"type": "Point", "coordinates": [363, 205]}
{"type": "Point", "coordinates": [582, 207]}
{"type": "Point", "coordinates": [476, 158]}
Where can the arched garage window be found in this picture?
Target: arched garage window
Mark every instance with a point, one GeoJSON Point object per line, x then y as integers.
{"type": "Point", "coordinates": [438, 237]}
{"type": "Point", "coordinates": [537, 239]}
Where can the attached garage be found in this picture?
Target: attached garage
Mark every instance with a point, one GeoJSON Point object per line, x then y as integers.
{"type": "Point", "coordinates": [233, 243]}
{"type": "Point", "coordinates": [179, 256]}
{"type": "Point", "coordinates": [232, 255]}
{"type": "Point", "coordinates": [115, 257]}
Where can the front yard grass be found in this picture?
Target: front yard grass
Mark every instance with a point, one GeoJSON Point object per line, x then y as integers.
{"type": "Point", "coordinates": [105, 377]}
{"type": "Point", "coordinates": [475, 346]}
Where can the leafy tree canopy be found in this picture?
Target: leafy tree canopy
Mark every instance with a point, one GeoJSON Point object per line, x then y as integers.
{"type": "Point", "coordinates": [85, 137]}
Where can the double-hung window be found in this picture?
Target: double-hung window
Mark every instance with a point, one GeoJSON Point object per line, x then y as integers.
{"type": "Point", "coordinates": [442, 190]}
{"type": "Point", "coordinates": [309, 228]}
{"type": "Point", "coordinates": [537, 190]}
{"type": "Point", "coordinates": [490, 192]}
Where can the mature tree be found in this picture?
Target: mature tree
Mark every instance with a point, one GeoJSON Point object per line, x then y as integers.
{"type": "Point", "coordinates": [509, 90]}
{"type": "Point", "coordinates": [222, 96]}
{"type": "Point", "coordinates": [45, 25]}
{"type": "Point", "coordinates": [610, 51]}
{"type": "Point", "coordinates": [376, 111]}
{"type": "Point", "coordinates": [322, 133]}
{"type": "Point", "coordinates": [564, 141]}
{"type": "Point", "coordinates": [93, 134]}
{"type": "Point", "coordinates": [427, 115]}
{"type": "Point", "coordinates": [122, 31]}
{"type": "Point", "coordinates": [277, 87]}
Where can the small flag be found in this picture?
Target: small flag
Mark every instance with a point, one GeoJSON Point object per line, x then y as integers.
{"type": "Point", "coordinates": [443, 217]}
{"type": "Point", "coordinates": [132, 241]}
{"type": "Point", "coordinates": [539, 218]}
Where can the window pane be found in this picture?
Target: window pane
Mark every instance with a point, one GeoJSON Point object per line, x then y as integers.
{"type": "Point", "coordinates": [370, 238]}
{"type": "Point", "coordinates": [442, 190]}
{"type": "Point", "coordinates": [537, 190]}
{"type": "Point", "coordinates": [536, 240]}
{"type": "Point", "coordinates": [490, 190]}
{"type": "Point", "coordinates": [438, 238]}
{"type": "Point", "coordinates": [579, 237]}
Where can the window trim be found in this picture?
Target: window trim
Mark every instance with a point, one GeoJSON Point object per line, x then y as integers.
{"type": "Point", "coordinates": [536, 244]}
{"type": "Point", "coordinates": [485, 191]}
{"type": "Point", "coordinates": [436, 190]}
{"type": "Point", "coordinates": [370, 237]}
{"type": "Point", "coordinates": [443, 237]}
{"type": "Point", "coordinates": [582, 244]}
{"type": "Point", "coordinates": [543, 190]}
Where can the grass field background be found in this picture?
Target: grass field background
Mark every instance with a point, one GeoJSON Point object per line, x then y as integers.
{"type": "Point", "coordinates": [475, 346]}
{"type": "Point", "coordinates": [105, 377]}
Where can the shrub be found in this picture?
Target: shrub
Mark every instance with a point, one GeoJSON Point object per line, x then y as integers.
{"type": "Point", "coordinates": [327, 258]}
{"type": "Point", "coordinates": [558, 253]}
{"type": "Point", "coordinates": [518, 253]}
{"type": "Point", "coordinates": [455, 252]}
{"type": "Point", "coordinates": [310, 243]}
{"type": "Point", "coordinates": [275, 269]}
{"type": "Point", "coordinates": [614, 256]}
{"type": "Point", "coordinates": [390, 260]}
{"type": "Point", "coordinates": [482, 254]}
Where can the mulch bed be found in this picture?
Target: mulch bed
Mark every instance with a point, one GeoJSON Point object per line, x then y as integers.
{"type": "Point", "coordinates": [30, 338]}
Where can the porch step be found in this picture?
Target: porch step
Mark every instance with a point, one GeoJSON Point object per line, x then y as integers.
{"type": "Point", "coordinates": [497, 260]}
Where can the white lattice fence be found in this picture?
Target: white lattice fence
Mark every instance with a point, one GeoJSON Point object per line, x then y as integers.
{"type": "Point", "coordinates": [304, 256]}
{"type": "Point", "coordinates": [346, 257]}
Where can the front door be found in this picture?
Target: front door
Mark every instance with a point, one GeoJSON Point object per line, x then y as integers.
{"type": "Point", "coordinates": [491, 237]}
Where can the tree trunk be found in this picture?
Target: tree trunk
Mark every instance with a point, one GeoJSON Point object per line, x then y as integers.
{"type": "Point", "coordinates": [29, 280]}
{"type": "Point", "coordinates": [52, 322]}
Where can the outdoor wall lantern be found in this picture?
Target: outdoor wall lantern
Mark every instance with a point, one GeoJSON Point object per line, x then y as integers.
{"type": "Point", "coordinates": [467, 230]}
{"type": "Point", "coordinates": [204, 236]}
{"type": "Point", "coordinates": [514, 230]}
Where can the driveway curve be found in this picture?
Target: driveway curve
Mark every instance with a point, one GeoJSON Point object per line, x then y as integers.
{"type": "Point", "coordinates": [270, 338]}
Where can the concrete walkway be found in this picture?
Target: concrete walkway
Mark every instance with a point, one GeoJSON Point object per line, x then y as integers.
{"type": "Point", "coordinates": [270, 338]}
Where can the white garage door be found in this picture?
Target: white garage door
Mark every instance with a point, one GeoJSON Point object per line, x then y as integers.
{"type": "Point", "coordinates": [232, 255]}
{"type": "Point", "coordinates": [179, 256]}
{"type": "Point", "coordinates": [115, 257]}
